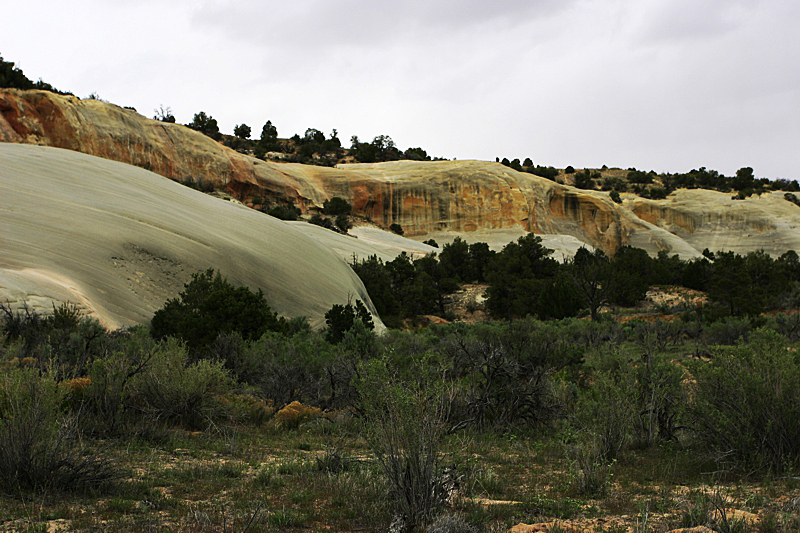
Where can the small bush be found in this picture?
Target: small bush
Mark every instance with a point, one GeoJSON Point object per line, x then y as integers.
{"type": "Point", "coordinates": [106, 395]}
{"type": "Point", "coordinates": [319, 220]}
{"type": "Point", "coordinates": [173, 390]}
{"type": "Point", "coordinates": [396, 228]}
{"type": "Point", "coordinates": [746, 404]}
{"type": "Point", "coordinates": [451, 523]}
{"type": "Point", "coordinates": [294, 414]}
{"type": "Point", "coordinates": [285, 212]}
{"type": "Point", "coordinates": [40, 450]}
{"type": "Point", "coordinates": [404, 424]}
{"type": "Point", "coordinates": [592, 472]}
{"type": "Point", "coordinates": [343, 223]}
{"type": "Point", "coordinates": [341, 318]}
{"type": "Point", "coordinates": [336, 206]}
{"type": "Point", "coordinates": [605, 414]}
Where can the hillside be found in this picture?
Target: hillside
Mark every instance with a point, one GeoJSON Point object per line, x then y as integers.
{"type": "Point", "coordinates": [119, 240]}
{"type": "Point", "coordinates": [428, 199]}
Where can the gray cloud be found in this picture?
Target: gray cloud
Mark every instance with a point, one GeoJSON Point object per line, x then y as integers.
{"type": "Point", "coordinates": [663, 84]}
{"type": "Point", "coordinates": [328, 25]}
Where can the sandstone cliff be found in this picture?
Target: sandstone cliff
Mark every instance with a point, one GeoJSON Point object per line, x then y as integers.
{"type": "Point", "coordinates": [428, 199]}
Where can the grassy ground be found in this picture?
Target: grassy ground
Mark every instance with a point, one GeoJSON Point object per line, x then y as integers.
{"type": "Point", "coordinates": [321, 477]}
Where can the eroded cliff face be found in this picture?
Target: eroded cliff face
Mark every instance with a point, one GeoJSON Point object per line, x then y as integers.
{"type": "Point", "coordinates": [423, 197]}
{"type": "Point", "coordinates": [120, 134]}
{"type": "Point", "coordinates": [713, 220]}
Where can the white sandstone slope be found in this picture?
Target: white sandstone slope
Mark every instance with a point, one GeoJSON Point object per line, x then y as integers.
{"type": "Point", "coordinates": [118, 241]}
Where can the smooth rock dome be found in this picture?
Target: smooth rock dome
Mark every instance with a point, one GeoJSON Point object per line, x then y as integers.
{"type": "Point", "coordinates": [118, 241]}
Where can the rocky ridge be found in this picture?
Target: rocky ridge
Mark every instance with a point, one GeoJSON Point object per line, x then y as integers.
{"type": "Point", "coordinates": [426, 198]}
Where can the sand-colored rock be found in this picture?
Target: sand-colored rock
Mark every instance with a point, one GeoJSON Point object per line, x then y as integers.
{"type": "Point", "coordinates": [363, 242]}
{"type": "Point", "coordinates": [118, 241]}
{"type": "Point", "coordinates": [713, 220]}
{"type": "Point", "coordinates": [428, 199]}
{"type": "Point", "coordinates": [696, 529]}
{"type": "Point", "coordinates": [735, 515]}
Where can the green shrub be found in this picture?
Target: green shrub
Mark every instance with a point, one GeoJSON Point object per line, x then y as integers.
{"type": "Point", "coordinates": [285, 369]}
{"type": "Point", "coordinates": [604, 415]}
{"type": "Point", "coordinates": [336, 206]}
{"type": "Point", "coordinates": [746, 404]}
{"type": "Point", "coordinates": [106, 398]}
{"type": "Point", "coordinates": [340, 319]}
{"type": "Point", "coordinates": [39, 448]}
{"type": "Point", "coordinates": [285, 212]}
{"type": "Point", "coordinates": [319, 220]}
{"type": "Point", "coordinates": [62, 338]}
{"type": "Point", "coordinates": [506, 384]}
{"type": "Point", "coordinates": [175, 391]}
{"type": "Point", "coordinates": [396, 228]}
{"type": "Point", "coordinates": [404, 424]}
{"type": "Point", "coordinates": [208, 306]}
{"type": "Point", "coordinates": [592, 471]}
{"type": "Point", "coordinates": [343, 223]}
{"type": "Point", "coordinates": [728, 330]}
{"type": "Point", "coordinates": [660, 400]}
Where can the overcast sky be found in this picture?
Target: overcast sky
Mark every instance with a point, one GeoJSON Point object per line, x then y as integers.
{"type": "Point", "coordinates": [667, 85]}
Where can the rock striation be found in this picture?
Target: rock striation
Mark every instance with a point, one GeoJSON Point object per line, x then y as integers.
{"type": "Point", "coordinates": [118, 241]}
{"type": "Point", "coordinates": [428, 199]}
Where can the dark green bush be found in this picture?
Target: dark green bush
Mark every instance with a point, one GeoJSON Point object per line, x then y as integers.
{"type": "Point", "coordinates": [506, 373]}
{"type": "Point", "coordinates": [285, 212]}
{"type": "Point", "coordinates": [106, 401]}
{"type": "Point", "coordinates": [64, 339]}
{"type": "Point", "coordinates": [208, 306]}
{"type": "Point", "coordinates": [544, 172]}
{"type": "Point", "coordinates": [605, 411]}
{"type": "Point", "coordinates": [319, 220]}
{"type": "Point", "coordinates": [286, 369]}
{"type": "Point", "coordinates": [343, 223]}
{"type": "Point", "coordinates": [205, 124]}
{"type": "Point", "coordinates": [336, 206]}
{"type": "Point", "coordinates": [340, 318]}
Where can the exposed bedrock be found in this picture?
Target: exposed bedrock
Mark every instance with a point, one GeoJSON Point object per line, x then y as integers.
{"type": "Point", "coordinates": [425, 198]}
{"type": "Point", "coordinates": [118, 241]}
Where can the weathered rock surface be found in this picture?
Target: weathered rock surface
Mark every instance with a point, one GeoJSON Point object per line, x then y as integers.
{"type": "Point", "coordinates": [118, 241]}
{"type": "Point", "coordinates": [426, 198]}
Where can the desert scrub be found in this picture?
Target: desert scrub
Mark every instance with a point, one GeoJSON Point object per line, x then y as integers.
{"type": "Point", "coordinates": [40, 450]}
{"type": "Point", "coordinates": [296, 413]}
{"type": "Point", "coordinates": [604, 412]}
{"type": "Point", "coordinates": [173, 390]}
{"type": "Point", "coordinates": [746, 404]}
{"type": "Point", "coordinates": [404, 424]}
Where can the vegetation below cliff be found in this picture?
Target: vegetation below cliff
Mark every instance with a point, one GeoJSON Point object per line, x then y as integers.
{"type": "Point", "coordinates": [602, 426]}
